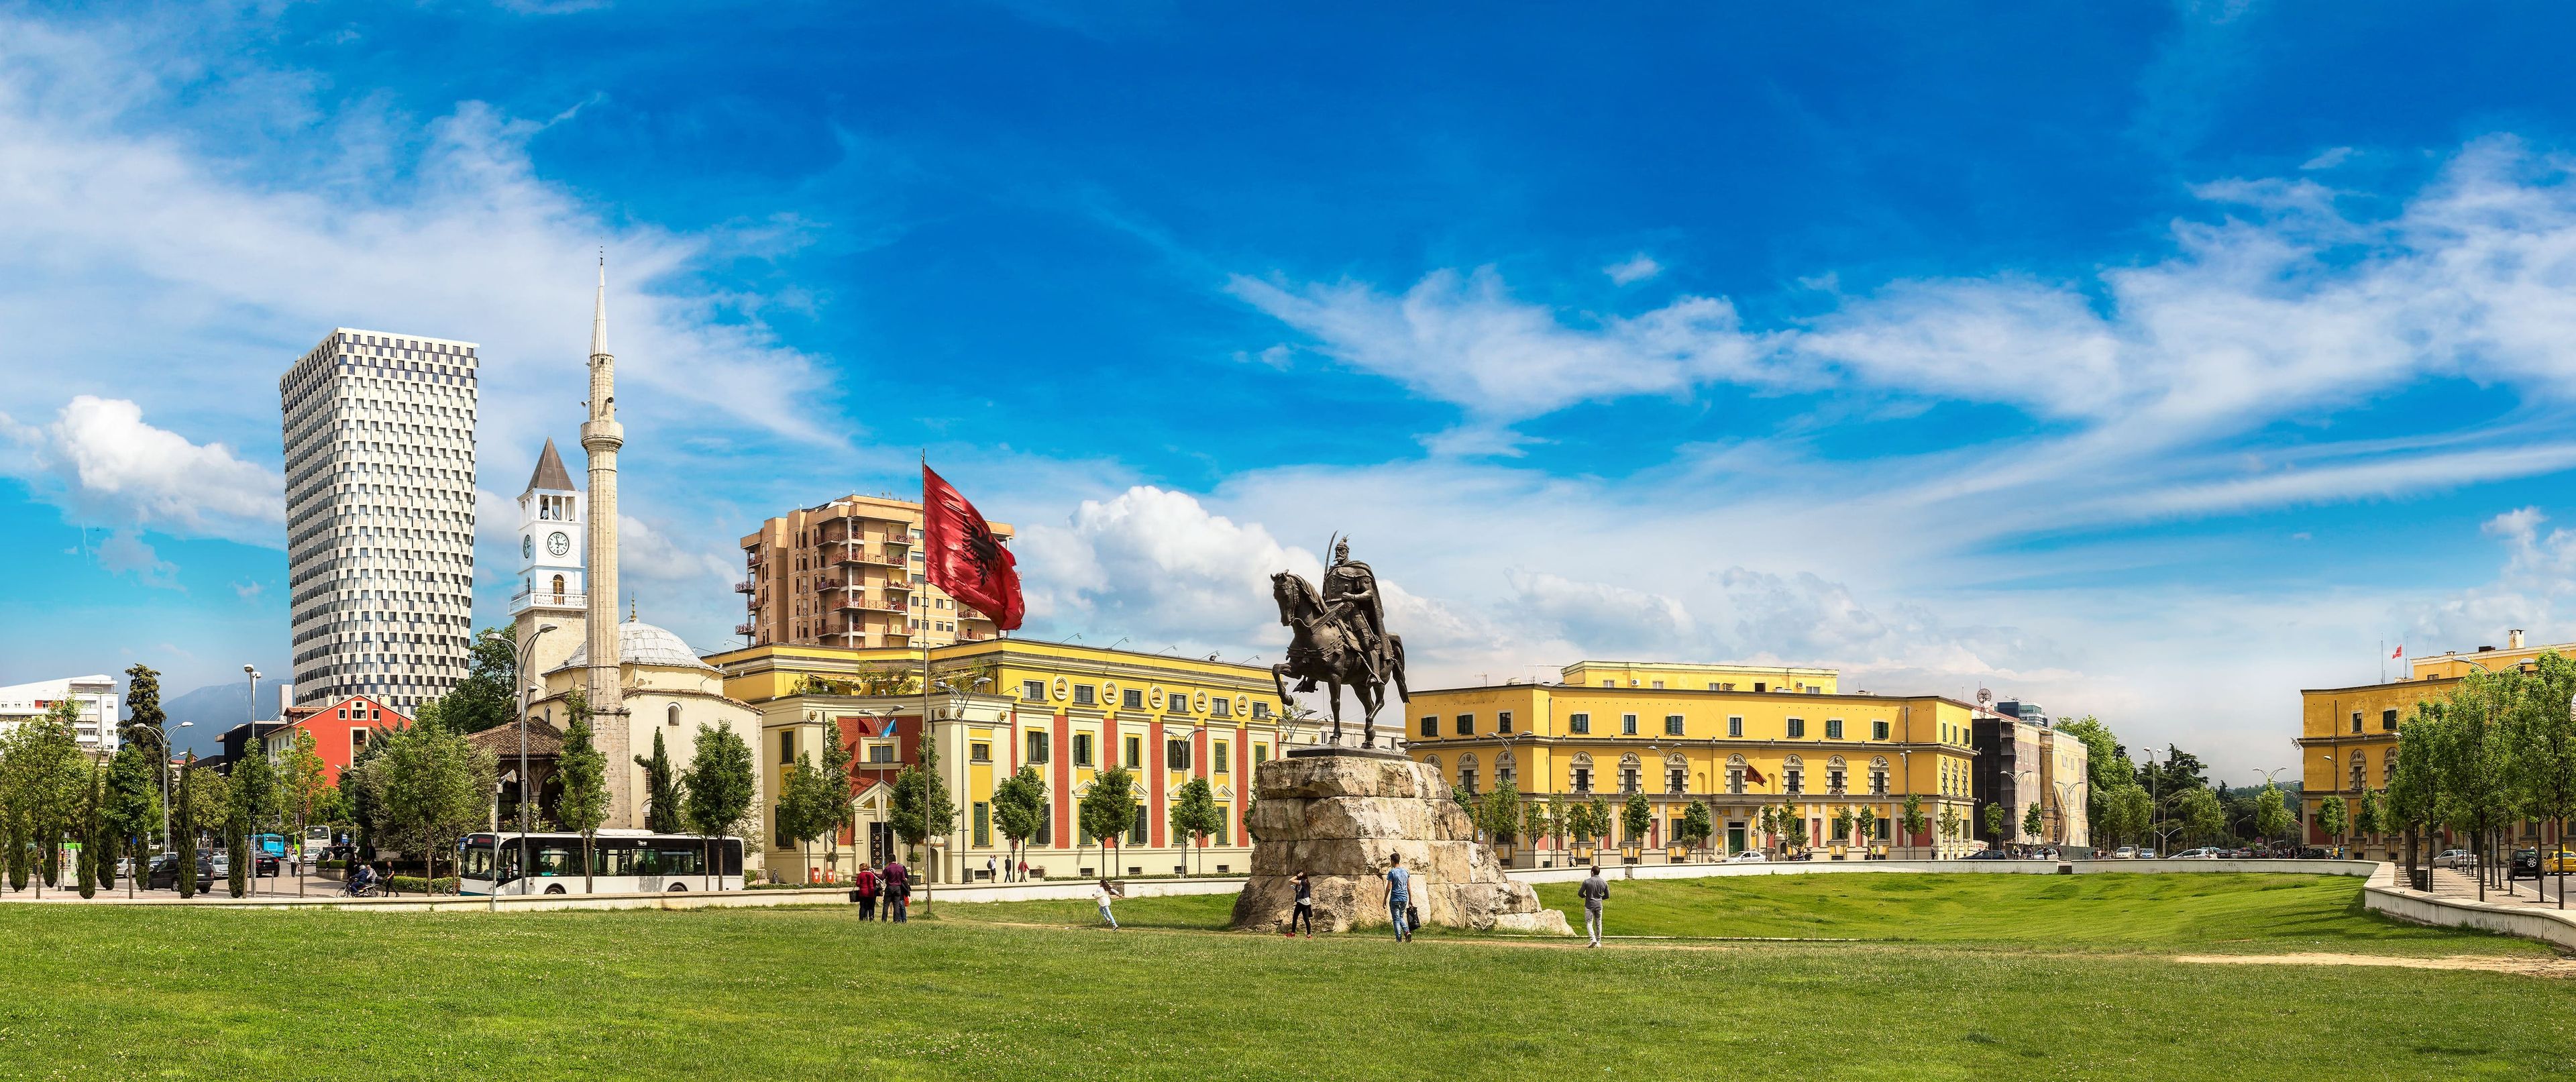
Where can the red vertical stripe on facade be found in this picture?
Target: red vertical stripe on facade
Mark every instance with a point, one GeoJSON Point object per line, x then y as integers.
{"type": "Point", "coordinates": [1063, 794]}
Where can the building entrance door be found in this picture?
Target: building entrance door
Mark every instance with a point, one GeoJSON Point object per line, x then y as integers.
{"type": "Point", "coordinates": [880, 842]}
{"type": "Point", "coordinates": [1735, 836]}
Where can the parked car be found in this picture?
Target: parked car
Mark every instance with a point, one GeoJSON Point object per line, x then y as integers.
{"type": "Point", "coordinates": [2558, 863]}
{"type": "Point", "coordinates": [2146, 854]}
{"type": "Point", "coordinates": [2203, 853]}
{"type": "Point", "coordinates": [2125, 852]}
{"type": "Point", "coordinates": [165, 872]}
{"type": "Point", "coordinates": [1987, 854]}
{"type": "Point", "coordinates": [1749, 856]}
{"type": "Point", "coordinates": [2525, 864]}
{"type": "Point", "coordinates": [2454, 858]}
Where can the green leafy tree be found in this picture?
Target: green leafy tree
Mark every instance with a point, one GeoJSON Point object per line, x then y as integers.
{"type": "Point", "coordinates": [2106, 763]}
{"type": "Point", "coordinates": [1019, 809]}
{"type": "Point", "coordinates": [1790, 827]}
{"type": "Point", "coordinates": [1596, 820]}
{"type": "Point", "coordinates": [2371, 819]}
{"type": "Point", "coordinates": [722, 793]}
{"type": "Point", "coordinates": [2415, 786]}
{"type": "Point", "coordinates": [1108, 809]}
{"type": "Point", "coordinates": [804, 810]}
{"type": "Point", "coordinates": [2331, 818]}
{"type": "Point", "coordinates": [90, 825]}
{"type": "Point", "coordinates": [487, 697]}
{"type": "Point", "coordinates": [305, 778]}
{"type": "Point", "coordinates": [663, 789]}
{"type": "Point", "coordinates": [2544, 750]}
{"type": "Point", "coordinates": [2201, 815]}
{"type": "Point", "coordinates": [583, 806]}
{"type": "Point", "coordinates": [197, 803]}
{"type": "Point", "coordinates": [2033, 822]}
{"type": "Point", "coordinates": [143, 712]}
{"type": "Point", "coordinates": [1193, 813]}
{"type": "Point", "coordinates": [1842, 824]}
{"type": "Point", "coordinates": [2125, 811]}
{"type": "Point", "coordinates": [1995, 821]}
{"type": "Point", "coordinates": [1633, 819]}
{"type": "Point", "coordinates": [256, 796]}
{"type": "Point", "coordinates": [2477, 767]}
{"type": "Point", "coordinates": [1697, 825]}
{"type": "Point", "coordinates": [1538, 819]}
{"type": "Point", "coordinates": [1950, 822]}
{"type": "Point", "coordinates": [430, 788]}
{"type": "Point", "coordinates": [1865, 824]}
{"type": "Point", "coordinates": [134, 801]}
{"type": "Point", "coordinates": [53, 779]}
{"type": "Point", "coordinates": [921, 807]}
{"type": "Point", "coordinates": [837, 756]}
{"type": "Point", "coordinates": [1910, 818]}
{"type": "Point", "coordinates": [2272, 818]}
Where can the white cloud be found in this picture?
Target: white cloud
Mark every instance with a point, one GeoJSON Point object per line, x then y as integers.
{"type": "Point", "coordinates": [124, 552]}
{"type": "Point", "coordinates": [1153, 565]}
{"type": "Point", "coordinates": [2328, 158]}
{"type": "Point", "coordinates": [101, 463]}
{"type": "Point", "coordinates": [248, 591]}
{"type": "Point", "coordinates": [1634, 269]}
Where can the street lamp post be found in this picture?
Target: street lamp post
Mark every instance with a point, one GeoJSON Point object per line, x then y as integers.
{"type": "Point", "coordinates": [142, 863]}
{"type": "Point", "coordinates": [252, 744]}
{"type": "Point", "coordinates": [520, 669]}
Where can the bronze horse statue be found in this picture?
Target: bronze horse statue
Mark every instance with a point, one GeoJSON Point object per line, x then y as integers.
{"type": "Point", "coordinates": [1324, 650]}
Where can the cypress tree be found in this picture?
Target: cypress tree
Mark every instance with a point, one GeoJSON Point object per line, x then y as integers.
{"type": "Point", "coordinates": [661, 790]}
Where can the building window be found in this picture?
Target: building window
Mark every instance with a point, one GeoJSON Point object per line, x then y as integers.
{"type": "Point", "coordinates": [2356, 721]}
{"type": "Point", "coordinates": [1083, 695]}
{"type": "Point", "coordinates": [1735, 728]}
{"type": "Point", "coordinates": [1580, 724]}
{"type": "Point", "coordinates": [1260, 754]}
{"type": "Point", "coordinates": [1834, 781]}
{"type": "Point", "coordinates": [1833, 728]}
{"type": "Point", "coordinates": [787, 746]}
{"type": "Point", "coordinates": [1135, 749]}
{"type": "Point", "coordinates": [1260, 711]}
{"type": "Point", "coordinates": [1466, 724]}
{"type": "Point", "coordinates": [1735, 778]}
{"type": "Point", "coordinates": [1431, 726]}
{"type": "Point", "coordinates": [671, 715]}
{"type": "Point", "coordinates": [1136, 831]}
{"type": "Point", "coordinates": [1797, 728]}
{"type": "Point", "coordinates": [1503, 722]}
{"type": "Point", "coordinates": [1627, 724]}
{"type": "Point", "coordinates": [1673, 780]}
{"type": "Point", "coordinates": [1037, 747]}
{"type": "Point", "coordinates": [881, 752]}
{"type": "Point", "coordinates": [2388, 721]}
{"type": "Point", "coordinates": [1467, 780]}
{"type": "Point", "coordinates": [1221, 707]}
{"type": "Point", "coordinates": [983, 823]}
{"type": "Point", "coordinates": [1033, 690]}
{"type": "Point", "coordinates": [1082, 749]}
{"type": "Point", "coordinates": [1878, 781]}
{"type": "Point", "coordinates": [1659, 685]}
{"type": "Point", "coordinates": [1793, 780]}
{"type": "Point", "coordinates": [1176, 755]}
{"type": "Point", "coordinates": [1878, 730]}
{"type": "Point", "coordinates": [1218, 754]}
{"type": "Point", "coordinates": [1583, 779]}
{"type": "Point", "coordinates": [1672, 725]}
{"type": "Point", "coordinates": [979, 752]}
{"type": "Point", "coordinates": [1627, 779]}
{"type": "Point", "coordinates": [1133, 699]}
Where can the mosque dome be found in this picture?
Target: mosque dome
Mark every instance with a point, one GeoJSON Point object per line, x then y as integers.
{"type": "Point", "coordinates": [640, 643]}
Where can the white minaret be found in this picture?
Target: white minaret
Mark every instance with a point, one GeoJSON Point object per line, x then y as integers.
{"type": "Point", "coordinates": [601, 436]}
{"type": "Point", "coordinates": [552, 547]}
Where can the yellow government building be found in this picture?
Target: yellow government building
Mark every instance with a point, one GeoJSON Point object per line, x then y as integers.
{"type": "Point", "coordinates": [2348, 736]}
{"type": "Point", "coordinates": [1736, 737]}
{"type": "Point", "coordinates": [996, 704]}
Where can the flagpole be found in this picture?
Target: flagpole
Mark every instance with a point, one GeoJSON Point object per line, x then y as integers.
{"type": "Point", "coordinates": [921, 633]}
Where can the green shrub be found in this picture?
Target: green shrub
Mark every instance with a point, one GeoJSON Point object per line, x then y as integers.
{"type": "Point", "coordinates": [412, 884]}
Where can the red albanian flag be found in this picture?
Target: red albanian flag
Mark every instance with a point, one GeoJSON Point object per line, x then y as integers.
{"type": "Point", "coordinates": [965, 558]}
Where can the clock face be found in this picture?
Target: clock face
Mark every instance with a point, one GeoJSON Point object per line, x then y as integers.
{"type": "Point", "coordinates": [558, 544]}
{"type": "Point", "coordinates": [527, 547]}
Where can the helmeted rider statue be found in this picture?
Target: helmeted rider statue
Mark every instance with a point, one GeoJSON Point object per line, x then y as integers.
{"type": "Point", "coordinates": [1352, 600]}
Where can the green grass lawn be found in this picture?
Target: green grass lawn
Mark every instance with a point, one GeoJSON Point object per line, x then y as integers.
{"type": "Point", "coordinates": [2179, 911]}
{"type": "Point", "coordinates": [1006, 991]}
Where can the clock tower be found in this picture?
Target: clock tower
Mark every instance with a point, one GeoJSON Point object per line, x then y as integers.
{"type": "Point", "coordinates": [553, 517]}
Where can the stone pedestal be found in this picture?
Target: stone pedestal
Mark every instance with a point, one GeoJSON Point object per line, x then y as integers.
{"type": "Point", "coordinates": [1339, 818]}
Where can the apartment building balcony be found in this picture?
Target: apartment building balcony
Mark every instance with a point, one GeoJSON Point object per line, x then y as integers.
{"type": "Point", "coordinates": [742, 629]}
{"type": "Point", "coordinates": [743, 586]}
{"type": "Point", "coordinates": [854, 553]}
{"type": "Point", "coordinates": [861, 604]}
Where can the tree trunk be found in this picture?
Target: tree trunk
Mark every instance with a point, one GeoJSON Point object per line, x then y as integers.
{"type": "Point", "coordinates": [585, 862]}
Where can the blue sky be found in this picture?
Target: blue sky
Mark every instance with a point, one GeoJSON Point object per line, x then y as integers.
{"type": "Point", "coordinates": [2149, 361]}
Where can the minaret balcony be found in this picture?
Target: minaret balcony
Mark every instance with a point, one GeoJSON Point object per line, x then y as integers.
{"type": "Point", "coordinates": [525, 600]}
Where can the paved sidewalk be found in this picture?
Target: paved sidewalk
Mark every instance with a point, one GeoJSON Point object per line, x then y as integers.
{"type": "Point", "coordinates": [2450, 885]}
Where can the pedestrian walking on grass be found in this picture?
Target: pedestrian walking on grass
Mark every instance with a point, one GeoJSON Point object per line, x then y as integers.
{"type": "Point", "coordinates": [1304, 910]}
{"type": "Point", "coordinates": [1100, 896]}
{"type": "Point", "coordinates": [1024, 869]}
{"type": "Point", "coordinates": [899, 891]}
{"type": "Point", "coordinates": [867, 892]}
{"type": "Point", "coordinates": [1399, 896]}
{"type": "Point", "coordinates": [1593, 891]}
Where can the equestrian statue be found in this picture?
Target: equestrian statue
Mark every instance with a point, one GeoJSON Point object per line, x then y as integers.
{"type": "Point", "coordinates": [1340, 639]}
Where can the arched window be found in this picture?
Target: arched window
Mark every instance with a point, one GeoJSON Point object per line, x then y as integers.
{"type": "Point", "coordinates": [2360, 766]}
{"type": "Point", "coordinates": [559, 588]}
{"type": "Point", "coordinates": [1630, 771]}
{"type": "Point", "coordinates": [1834, 776]}
{"type": "Point", "coordinates": [1467, 773]}
{"type": "Point", "coordinates": [1793, 775]}
{"type": "Point", "coordinates": [1878, 776]}
{"type": "Point", "coordinates": [1676, 773]}
{"type": "Point", "coordinates": [1581, 779]}
{"type": "Point", "coordinates": [671, 714]}
{"type": "Point", "coordinates": [2387, 770]}
{"type": "Point", "coordinates": [1735, 766]}
{"type": "Point", "coordinates": [1504, 768]}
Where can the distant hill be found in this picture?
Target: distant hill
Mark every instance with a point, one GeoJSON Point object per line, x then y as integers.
{"type": "Point", "coordinates": [215, 708]}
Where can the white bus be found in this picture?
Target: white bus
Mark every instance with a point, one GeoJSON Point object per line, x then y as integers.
{"type": "Point", "coordinates": [622, 862]}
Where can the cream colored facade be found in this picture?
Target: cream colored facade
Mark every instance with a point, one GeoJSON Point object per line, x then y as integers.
{"type": "Point", "coordinates": [668, 692]}
{"type": "Point", "coordinates": [849, 573]}
{"type": "Point", "coordinates": [1736, 751]}
{"type": "Point", "coordinates": [1069, 711]}
{"type": "Point", "coordinates": [1689, 676]}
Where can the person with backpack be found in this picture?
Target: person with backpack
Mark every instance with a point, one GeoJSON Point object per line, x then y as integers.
{"type": "Point", "coordinates": [1399, 897]}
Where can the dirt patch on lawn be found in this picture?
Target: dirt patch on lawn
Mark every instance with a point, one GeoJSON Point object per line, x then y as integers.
{"type": "Point", "coordinates": [2529, 967]}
